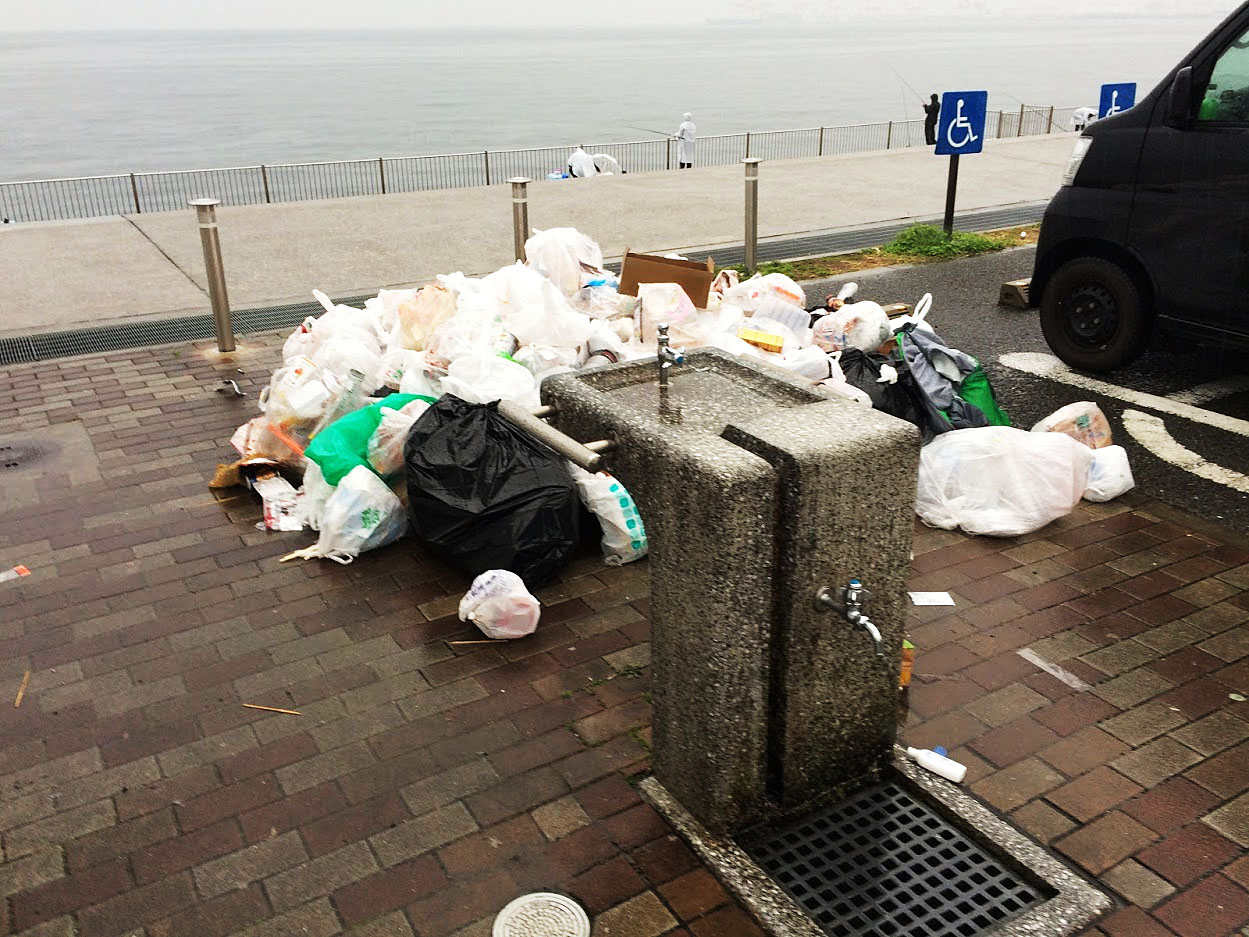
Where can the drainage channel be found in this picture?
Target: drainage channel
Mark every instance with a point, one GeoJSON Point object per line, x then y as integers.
{"type": "Point", "coordinates": [24, 349]}
{"type": "Point", "coordinates": [127, 335]}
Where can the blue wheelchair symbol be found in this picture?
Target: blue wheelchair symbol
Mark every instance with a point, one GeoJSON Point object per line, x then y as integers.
{"type": "Point", "coordinates": [1116, 98]}
{"type": "Point", "coordinates": [961, 126]}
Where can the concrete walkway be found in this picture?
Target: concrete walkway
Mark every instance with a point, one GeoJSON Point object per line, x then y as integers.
{"type": "Point", "coordinates": [62, 275]}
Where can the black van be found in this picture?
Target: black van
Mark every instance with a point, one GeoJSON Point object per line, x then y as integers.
{"type": "Point", "coordinates": [1149, 234]}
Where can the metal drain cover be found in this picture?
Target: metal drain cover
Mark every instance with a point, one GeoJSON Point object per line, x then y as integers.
{"type": "Point", "coordinates": [882, 863]}
{"type": "Point", "coordinates": [542, 914]}
{"type": "Point", "coordinates": [17, 455]}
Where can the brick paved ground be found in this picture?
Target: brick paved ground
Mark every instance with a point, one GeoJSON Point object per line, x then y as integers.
{"type": "Point", "coordinates": [425, 785]}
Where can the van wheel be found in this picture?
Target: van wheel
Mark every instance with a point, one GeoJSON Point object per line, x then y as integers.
{"type": "Point", "coordinates": [1093, 316]}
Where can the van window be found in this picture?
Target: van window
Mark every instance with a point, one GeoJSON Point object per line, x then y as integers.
{"type": "Point", "coordinates": [1227, 95]}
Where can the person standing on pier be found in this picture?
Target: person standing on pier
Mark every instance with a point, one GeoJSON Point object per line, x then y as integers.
{"type": "Point", "coordinates": [931, 111]}
{"type": "Point", "coordinates": [685, 141]}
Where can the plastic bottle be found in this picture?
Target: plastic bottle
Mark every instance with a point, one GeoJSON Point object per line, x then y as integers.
{"type": "Point", "coordinates": [948, 768]}
{"type": "Point", "coordinates": [348, 401]}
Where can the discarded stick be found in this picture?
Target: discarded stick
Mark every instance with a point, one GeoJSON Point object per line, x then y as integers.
{"type": "Point", "coordinates": [21, 690]}
{"type": "Point", "coordinates": [482, 641]}
{"type": "Point", "coordinates": [272, 709]}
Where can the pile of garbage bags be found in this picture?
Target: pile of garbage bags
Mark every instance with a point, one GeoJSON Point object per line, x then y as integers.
{"type": "Point", "coordinates": [388, 414]}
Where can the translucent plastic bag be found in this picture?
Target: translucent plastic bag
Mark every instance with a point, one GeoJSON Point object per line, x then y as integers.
{"type": "Point", "coordinates": [499, 604]}
{"type": "Point", "coordinates": [340, 355]}
{"type": "Point", "coordinates": [362, 514]}
{"type": "Point", "coordinates": [1082, 421]}
{"type": "Point", "coordinates": [312, 496]}
{"type": "Point", "coordinates": [475, 329]}
{"type": "Point", "coordinates": [624, 535]}
{"type": "Point", "coordinates": [1110, 475]}
{"type": "Point", "coordinates": [396, 363]}
{"type": "Point", "coordinates": [420, 316]}
{"type": "Point", "coordinates": [485, 378]}
{"type": "Point", "coordinates": [748, 294]}
{"type": "Point", "coordinates": [564, 255]}
{"type": "Point", "coordinates": [385, 451]}
{"type": "Point", "coordinates": [665, 303]}
{"type": "Point", "coordinates": [1000, 481]}
{"type": "Point", "coordinates": [864, 326]}
{"type": "Point", "coordinates": [549, 322]}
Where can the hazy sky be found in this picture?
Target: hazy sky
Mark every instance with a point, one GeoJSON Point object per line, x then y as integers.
{"type": "Point", "coordinates": [417, 14]}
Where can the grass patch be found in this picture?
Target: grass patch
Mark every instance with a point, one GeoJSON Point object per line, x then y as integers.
{"type": "Point", "coordinates": [921, 244]}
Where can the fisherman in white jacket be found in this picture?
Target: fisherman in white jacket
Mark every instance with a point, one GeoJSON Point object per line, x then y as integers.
{"type": "Point", "coordinates": [685, 141]}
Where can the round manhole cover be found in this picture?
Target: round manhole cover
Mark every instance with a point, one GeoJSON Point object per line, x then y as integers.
{"type": "Point", "coordinates": [542, 914]}
{"type": "Point", "coordinates": [16, 455]}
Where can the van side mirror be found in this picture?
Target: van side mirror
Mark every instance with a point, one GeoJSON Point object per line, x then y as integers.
{"type": "Point", "coordinates": [1179, 106]}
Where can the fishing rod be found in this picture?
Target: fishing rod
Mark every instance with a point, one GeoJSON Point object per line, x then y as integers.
{"type": "Point", "coordinates": [648, 130]}
{"type": "Point", "coordinates": [908, 85]}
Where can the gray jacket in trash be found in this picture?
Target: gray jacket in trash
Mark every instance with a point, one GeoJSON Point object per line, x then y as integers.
{"type": "Point", "coordinates": [938, 371]}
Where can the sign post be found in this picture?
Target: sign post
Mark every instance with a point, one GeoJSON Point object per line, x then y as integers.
{"type": "Point", "coordinates": [960, 130]}
{"type": "Point", "coordinates": [1116, 98]}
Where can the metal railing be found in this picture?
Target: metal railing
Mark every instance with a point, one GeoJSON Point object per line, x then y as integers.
{"type": "Point", "coordinates": [143, 192]}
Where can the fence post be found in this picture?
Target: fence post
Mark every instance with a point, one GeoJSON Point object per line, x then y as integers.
{"type": "Point", "coordinates": [748, 144]}
{"type": "Point", "coordinates": [1019, 129]}
{"type": "Point", "coordinates": [752, 212]}
{"type": "Point", "coordinates": [485, 155]}
{"type": "Point", "coordinates": [381, 172]}
{"type": "Point", "coordinates": [999, 124]}
{"type": "Point", "coordinates": [264, 177]}
{"type": "Point", "coordinates": [134, 190]}
{"type": "Point", "coordinates": [1050, 120]}
{"type": "Point", "coordinates": [668, 153]}
{"type": "Point", "coordinates": [520, 214]}
{"type": "Point", "coordinates": [889, 136]}
{"type": "Point", "coordinates": [206, 215]}
{"type": "Point", "coordinates": [821, 149]}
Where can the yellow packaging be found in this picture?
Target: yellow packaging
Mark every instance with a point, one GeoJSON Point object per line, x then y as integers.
{"type": "Point", "coordinates": [908, 664]}
{"type": "Point", "coordinates": [765, 340]}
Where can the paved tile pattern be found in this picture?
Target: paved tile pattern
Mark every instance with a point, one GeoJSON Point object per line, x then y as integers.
{"type": "Point", "coordinates": [427, 784]}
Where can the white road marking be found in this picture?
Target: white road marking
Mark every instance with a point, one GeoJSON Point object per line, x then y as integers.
{"type": "Point", "coordinates": [1151, 433]}
{"type": "Point", "coordinates": [1066, 676]}
{"type": "Point", "coordinates": [1047, 366]}
{"type": "Point", "coordinates": [1204, 393]}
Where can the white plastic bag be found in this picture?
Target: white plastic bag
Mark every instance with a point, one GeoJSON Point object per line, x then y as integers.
{"type": "Point", "coordinates": [499, 604]}
{"type": "Point", "coordinates": [312, 496]}
{"type": "Point", "coordinates": [749, 293]}
{"type": "Point", "coordinates": [864, 326]}
{"type": "Point", "coordinates": [1083, 421]}
{"type": "Point", "coordinates": [385, 449]}
{"type": "Point", "coordinates": [660, 303]}
{"type": "Point", "coordinates": [361, 514]}
{"type": "Point", "coordinates": [563, 255]}
{"type": "Point", "coordinates": [1000, 481]}
{"type": "Point", "coordinates": [624, 535]}
{"type": "Point", "coordinates": [549, 322]}
{"type": "Point", "coordinates": [484, 378]}
{"type": "Point", "coordinates": [396, 363]}
{"type": "Point", "coordinates": [1110, 475]}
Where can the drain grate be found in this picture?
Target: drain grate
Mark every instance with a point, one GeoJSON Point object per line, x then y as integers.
{"type": "Point", "coordinates": [882, 863]}
{"type": "Point", "coordinates": [15, 455]}
{"type": "Point", "coordinates": [126, 335]}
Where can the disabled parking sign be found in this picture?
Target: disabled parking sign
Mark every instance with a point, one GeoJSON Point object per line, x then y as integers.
{"type": "Point", "coordinates": [961, 126]}
{"type": "Point", "coordinates": [1116, 98]}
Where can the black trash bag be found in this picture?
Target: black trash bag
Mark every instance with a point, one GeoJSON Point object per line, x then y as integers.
{"type": "Point", "coordinates": [483, 494]}
{"type": "Point", "coordinates": [900, 399]}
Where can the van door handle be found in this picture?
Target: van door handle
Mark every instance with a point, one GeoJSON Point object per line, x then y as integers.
{"type": "Point", "coordinates": [1157, 189]}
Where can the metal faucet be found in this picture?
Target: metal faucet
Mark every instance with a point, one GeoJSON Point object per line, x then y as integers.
{"type": "Point", "coordinates": [853, 598]}
{"type": "Point", "coordinates": [667, 356]}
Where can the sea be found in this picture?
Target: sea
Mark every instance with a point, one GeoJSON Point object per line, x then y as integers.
{"type": "Point", "coordinates": [94, 103]}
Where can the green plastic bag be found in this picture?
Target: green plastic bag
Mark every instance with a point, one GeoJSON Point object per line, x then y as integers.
{"type": "Point", "coordinates": [977, 391]}
{"type": "Point", "coordinates": [344, 444]}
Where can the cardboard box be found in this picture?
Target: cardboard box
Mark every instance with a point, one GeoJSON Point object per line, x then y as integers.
{"type": "Point", "coordinates": [693, 277]}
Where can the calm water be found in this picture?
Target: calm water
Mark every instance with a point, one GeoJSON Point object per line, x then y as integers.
{"type": "Point", "coordinates": [79, 104]}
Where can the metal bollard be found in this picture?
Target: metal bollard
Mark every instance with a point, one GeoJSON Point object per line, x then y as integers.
{"type": "Point", "coordinates": [520, 214]}
{"type": "Point", "coordinates": [207, 218]}
{"type": "Point", "coordinates": [752, 211]}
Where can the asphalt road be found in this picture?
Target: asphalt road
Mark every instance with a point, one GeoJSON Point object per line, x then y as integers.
{"type": "Point", "coordinates": [1175, 460]}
